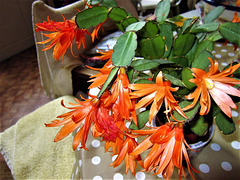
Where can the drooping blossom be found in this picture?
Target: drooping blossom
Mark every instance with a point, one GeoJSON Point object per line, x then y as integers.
{"type": "Point", "coordinates": [215, 84]}
{"type": "Point", "coordinates": [62, 36]}
{"type": "Point", "coordinates": [105, 55]}
{"type": "Point", "coordinates": [123, 107]}
{"type": "Point", "coordinates": [100, 78]}
{"type": "Point", "coordinates": [95, 31]}
{"type": "Point", "coordinates": [125, 154]}
{"type": "Point", "coordinates": [156, 94]}
{"type": "Point", "coordinates": [167, 150]}
{"type": "Point", "coordinates": [82, 115]}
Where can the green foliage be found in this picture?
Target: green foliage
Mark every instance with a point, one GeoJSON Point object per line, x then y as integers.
{"type": "Point", "coordinates": [214, 14]}
{"type": "Point", "coordinates": [191, 113]}
{"type": "Point", "coordinates": [117, 14]}
{"type": "Point", "coordinates": [209, 27]}
{"type": "Point", "coordinates": [162, 10]}
{"type": "Point", "coordinates": [225, 124]}
{"type": "Point", "coordinates": [202, 61]}
{"type": "Point", "coordinates": [231, 31]}
{"type": "Point", "coordinates": [146, 64]}
{"type": "Point", "coordinates": [136, 26]}
{"type": "Point", "coordinates": [183, 44]}
{"type": "Point", "coordinates": [91, 17]}
{"type": "Point", "coordinates": [199, 125]}
{"type": "Point", "coordinates": [186, 76]}
{"type": "Point", "coordinates": [152, 48]}
{"type": "Point", "coordinates": [150, 30]}
{"type": "Point", "coordinates": [142, 119]}
{"type": "Point", "coordinates": [108, 81]}
{"type": "Point", "coordinates": [174, 80]}
{"type": "Point", "coordinates": [124, 50]}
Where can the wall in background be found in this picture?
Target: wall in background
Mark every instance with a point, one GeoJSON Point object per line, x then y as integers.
{"type": "Point", "coordinates": [16, 33]}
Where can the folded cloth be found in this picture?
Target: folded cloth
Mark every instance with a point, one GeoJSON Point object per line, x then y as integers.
{"type": "Point", "coordinates": [29, 148]}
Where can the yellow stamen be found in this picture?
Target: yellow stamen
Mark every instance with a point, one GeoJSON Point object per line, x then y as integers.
{"type": "Point", "coordinates": [209, 83]}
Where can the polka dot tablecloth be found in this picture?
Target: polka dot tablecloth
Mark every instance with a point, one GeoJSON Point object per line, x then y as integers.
{"type": "Point", "coordinates": [220, 159]}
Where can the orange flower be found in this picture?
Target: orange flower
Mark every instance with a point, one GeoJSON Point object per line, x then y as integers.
{"type": "Point", "coordinates": [105, 55]}
{"type": "Point", "coordinates": [82, 115]}
{"type": "Point", "coordinates": [125, 154]}
{"type": "Point", "coordinates": [123, 107]}
{"type": "Point", "coordinates": [95, 31]}
{"type": "Point", "coordinates": [62, 36]}
{"type": "Point", "coordinates": [218, 85]}
{"type": "Point", "coordinates": [238, 3]}
{"type": "Point", "coordinates": [156, 93]}
{"type": "Point", "coordinates": [106, 126]}
{"type": "Point", "coordinates": [100, 78]}
{"type": "Point", "coordinates": [167, 150]}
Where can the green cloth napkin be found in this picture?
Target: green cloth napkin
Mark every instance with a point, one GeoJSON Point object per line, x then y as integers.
{"type": "Point", "coordinates": [28, 146]}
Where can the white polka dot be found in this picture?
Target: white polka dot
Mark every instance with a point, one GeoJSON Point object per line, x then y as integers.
{"type": "Point", "coordinates": [213, 52]}
{"type": "Point", "coordinates": [234, 114]}
{"type": "Point", "coordinates": [215, 147]}
{"type": "Point", "coordinates": [226, 166]}
{"type": "Point", "coordinates": [204, 168]}
{"type": "Point", "coordinates": [114, 157]}
{"type": "Point", "coordinates": [80, 163]}
{"type": "Point", "coordinates": [72, 175]}
{"type": "Point", "coordinates": [231, 54]}
{"type": "Point", "coordinates": [127, 124]}
{"type": "Point", "coordinates": [96, 160]}
{"type": "Point", "coordinates": [97, 178]}
{"type": "Point", "coordinates": [118, 176]}
{"type": "Point", "coordinates": [140, 176]}
{"type": "Point", "coordinates": [160, 175]}
{"type": "Point", "coordinates": [219, 45]}
{"type": "Point", "coordinates": [95, 143]}
{"type": "Point", "coordinates": [224, 64]}
{"type": "Point", "coordinates": [235, 144]}
{"type": "Point", "coordinates": [229, 44]}
{"type": "Point", "coordinates": [223, 50]}
{"type": "Point", "coordinates": [76, 170]}
{"type": "Point", "coordinates": [218, 55]}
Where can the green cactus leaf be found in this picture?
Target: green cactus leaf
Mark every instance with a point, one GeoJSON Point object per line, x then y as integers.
{"type": "Point", "coordinates": [202, 61]}
{"type": "Point", "coordinates": [152, 48]}
{"type": "Point", "coordinates": [91, 17]}
{"type": "Point", "coordinates": [117, 14]}
{"type": "Point", "coordinates": [214, 14]}
{"type": "Point", "coordinates": [191, 113]}
{"type": "Point", "coordinates": [225, 124]}
{"type": "Point", "coordinates": [186, 76]}
{"type": "Point", "coordinates": [124, 49]}
{"type": "Point", "coordinates": [209, 27]}
{"type": "Point", "coordinates": [162, 10]}
{"type": "Point", "coordinates": [146, 64]}
{"type": "Point", "coordinates": [199, 125]}
{"type": "Point", "coordinates": [149, 30]}
{"type": "Point", "coordinates": [183, 44]}
{"type": "Point", "coordinates": [167, 34]}
{"type": "Point", "coordinates": [174, 80]}
{"type": "Point", "coordinates": [136, 26]}
{"type": "Point", "coordinates": [231, 32]}
{"type": "Point", "coordinates": [204, 45]}
{"type": "Point", "coordinates": [142, 119]}
{"type": "Point", "coordinates": [126, 22]}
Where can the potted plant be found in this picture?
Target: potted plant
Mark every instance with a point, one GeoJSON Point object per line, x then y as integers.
{"type": "Point", "coordinates": [157, 71]}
